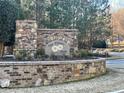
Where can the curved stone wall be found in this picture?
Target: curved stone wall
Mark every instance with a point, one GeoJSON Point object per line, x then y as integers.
{"type": "Point", "coordinates": [40, 73]}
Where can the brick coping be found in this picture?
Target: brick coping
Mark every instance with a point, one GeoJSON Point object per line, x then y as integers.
{"type": "Point", "coordinates": [71, 30]}
{"type": "Point", "coordinates": [50, 62]}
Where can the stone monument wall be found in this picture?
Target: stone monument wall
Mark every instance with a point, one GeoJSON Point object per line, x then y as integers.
{"type": "Point", "coordinates": [53, 41]}
{"type": "Point", "coordinates": [40, 73]}
{"type": "Point", "coordinates": [58, 39]}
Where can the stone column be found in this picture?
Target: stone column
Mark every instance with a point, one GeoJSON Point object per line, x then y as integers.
{"type": "Point", "coordinates": [26, 39]}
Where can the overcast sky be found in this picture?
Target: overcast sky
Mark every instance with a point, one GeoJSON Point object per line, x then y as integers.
{"type": "Point", "coordinates": [116, 4]}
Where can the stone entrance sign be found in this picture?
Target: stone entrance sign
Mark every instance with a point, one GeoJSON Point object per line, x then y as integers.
{"type": "Point", "coordinates": [54, 41]}
{"type": "Point", "coordinates": [57, 47]}
{"type": "Point", "coordinates": [57, 41]}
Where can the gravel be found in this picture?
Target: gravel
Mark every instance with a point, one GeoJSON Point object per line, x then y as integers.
{"type": "Point", "coordinates": [112, 81]}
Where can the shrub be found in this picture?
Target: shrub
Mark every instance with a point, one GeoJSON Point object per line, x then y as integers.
{"type": "Point", "coordinates": [80, 53]}
{"type": "Point", "coordinates": [40, 53]}
{"type": "Point", "coordinates": [122, 50]}
{"type": "Point", "coordinates": [100, 44]}
{"type": "Point", "coordinates": [75, 54]}
{"type": "Point", "coordinates": [84, 53]}
{"type": "Point", "coordinates": [117, 50]}
{"type": "Point", "coordinates": [21, 55]}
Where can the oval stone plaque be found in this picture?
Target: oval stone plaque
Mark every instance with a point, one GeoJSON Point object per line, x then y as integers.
{"type": "Point", "coordinates": [57, 47]}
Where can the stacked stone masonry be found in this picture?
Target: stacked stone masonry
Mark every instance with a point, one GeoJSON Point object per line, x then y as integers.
{"type": "Point", "coordinates": [49, 38]}
{"type": "Point", "coordinates": [46, 36]}
{"type": "Point", "coordinates": [26, 36]}
{"type": "Point", "coordinates": [30, 38]}
{"type": "Point", "coordinates": [40, 73]}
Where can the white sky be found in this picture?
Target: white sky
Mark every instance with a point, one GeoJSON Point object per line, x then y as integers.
{"type": "Point", "coordinates": [116, 4]}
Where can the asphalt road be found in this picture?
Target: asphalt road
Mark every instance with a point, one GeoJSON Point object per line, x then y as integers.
{"type": "Point", "coordinates": [117, 66]}
{"type": "Point", "coordinates": [115, 62]}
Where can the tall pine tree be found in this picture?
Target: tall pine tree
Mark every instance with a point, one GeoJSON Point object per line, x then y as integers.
{"type": "Point", "coordinates": [8, 16]}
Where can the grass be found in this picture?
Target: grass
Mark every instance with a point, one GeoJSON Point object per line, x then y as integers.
{"type": "Point", "coordinates": [114, 57]}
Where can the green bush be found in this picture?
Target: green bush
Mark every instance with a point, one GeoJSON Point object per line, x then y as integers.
{"type": "Point", "coordinates": [114, 50]}
{"type": "Point", "coordinates": [84, 53]}
{"type": "Point", "coordinates": [117, 50]}
{"type": "Point", "coordinates": [80, 53]}
{"type": "Point", "coordinates": [40, 53]}
{"type": "Point", "coordinates": [75, 54]}
{"type": "Point", "coordinates": [122, 50]}
{"type": "Point", "coordinates": [21, 55]}
{"type": "Point", "coordinates": [99, 44]}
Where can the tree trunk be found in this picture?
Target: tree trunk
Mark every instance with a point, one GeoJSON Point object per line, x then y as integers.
{"type": "Point", "coordinates": [1, 49]}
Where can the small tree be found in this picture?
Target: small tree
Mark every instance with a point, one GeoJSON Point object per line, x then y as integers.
{"type": "Point", "coordinates": [94, 24]}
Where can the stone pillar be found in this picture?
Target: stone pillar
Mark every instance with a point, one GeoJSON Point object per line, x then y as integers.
{"type": "Point", "coordinates": [26, 38]}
